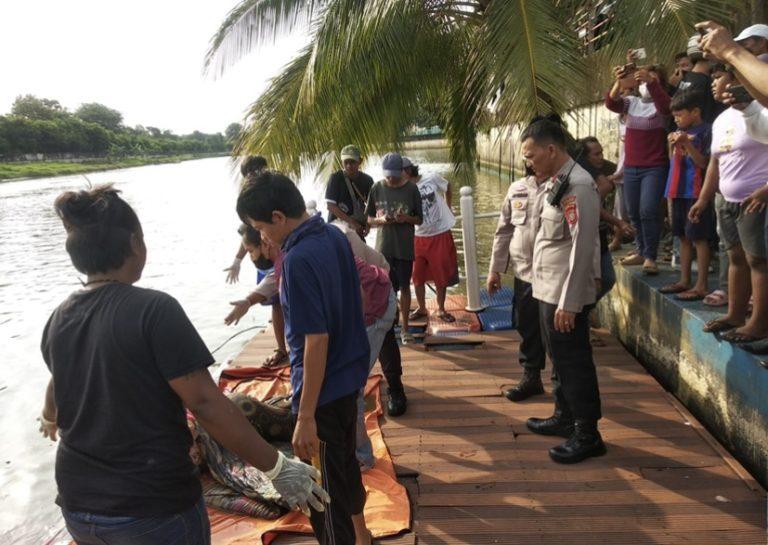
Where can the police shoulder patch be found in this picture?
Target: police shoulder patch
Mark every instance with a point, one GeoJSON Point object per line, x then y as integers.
{"type": "Point", "coordinates": [570, 210]}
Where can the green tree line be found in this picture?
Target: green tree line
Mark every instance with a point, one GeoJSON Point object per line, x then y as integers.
{"type": "Point", "coordinates": [39, 125]}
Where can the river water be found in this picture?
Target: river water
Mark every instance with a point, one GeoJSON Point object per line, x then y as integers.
{"type": "Point", "coordinates": [187, 212]}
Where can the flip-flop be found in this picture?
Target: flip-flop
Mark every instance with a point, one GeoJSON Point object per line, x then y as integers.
{"type": "Point", "coordinates": [717, 325]}
{"type": "Point", "coordinates": [278, 357]}
{"type": "Point", "coordinates": [446, 317]}
{"type": "Point", "coordinates": [673, 288]}
{"type": "Point", "coordinates": [416, 314]}
{"type": "Point", "coordinates": [650, 270]}
{"type": "Point", "coordinates": [689, 295]}
{"type": "Point", "coordinates": [739, 338]}
{"type": "Point", "coordinates": [717, 298]}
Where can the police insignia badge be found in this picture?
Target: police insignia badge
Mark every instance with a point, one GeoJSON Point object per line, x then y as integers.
{"type": "Point", "coordinates": [517, 205]}
{"type": "Point", "coordinates": [570, 210]}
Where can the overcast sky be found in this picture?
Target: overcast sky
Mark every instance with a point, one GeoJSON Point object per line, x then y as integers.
{"type": "Point", "coordinates": [143, 58]}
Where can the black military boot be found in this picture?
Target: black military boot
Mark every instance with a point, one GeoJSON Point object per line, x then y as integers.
{"type": "Point", "coordinates": [529, 385]}
{"type": "Point", "coordinates": [584, 443]}
{"type": "Point", "coordinates": [557, 424]}
{"type": "Point", "coordinates": [397, 403]}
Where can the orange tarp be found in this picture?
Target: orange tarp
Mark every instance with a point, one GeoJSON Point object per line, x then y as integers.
{"type": "Point", "coordinates": [387, 511]}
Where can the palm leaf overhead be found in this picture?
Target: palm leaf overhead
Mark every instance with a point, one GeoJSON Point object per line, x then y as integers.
{"type": "Point", "coordinates": [371, 64]}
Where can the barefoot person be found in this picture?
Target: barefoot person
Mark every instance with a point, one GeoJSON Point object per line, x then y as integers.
{"type": "Point", "coordinates": [125, 362]}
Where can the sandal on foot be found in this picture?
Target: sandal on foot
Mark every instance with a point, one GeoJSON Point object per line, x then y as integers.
{"type": "Point", "coordinates": [734, 337]}
{"type": "Point", "coordinates": [278, 358]}
{"type": "Point", "coordinates": [717, 325]}
{"type": "Point", "coordinates": [446, 317]}
{"type": "Point", "coordinates": [689, 295]}
{"type": "Point", "coordinates": [632, 260]}
{"type": "Point", "coordinates": [717, 298]}
{"type": "Point", "coordinates": [650, 270]}
{"type": "Point", "coordinates": [416, 314]}
{"type": "Point", "coordinates": [674, 288]}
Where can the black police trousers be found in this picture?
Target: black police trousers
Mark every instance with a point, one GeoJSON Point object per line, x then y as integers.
{"type": "Point", "coordinates": [574, 378]}
{"type": "Point", "coordinates": [532, 355]}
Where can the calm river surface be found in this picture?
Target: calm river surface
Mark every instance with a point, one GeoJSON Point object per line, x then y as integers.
{"type": "Point", "coordinates": [187, 212]}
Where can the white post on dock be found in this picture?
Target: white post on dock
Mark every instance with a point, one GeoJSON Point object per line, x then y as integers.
{"type": "Point", "coordinates": [311, 207]}
{"type": "Point", "coordinates": [470, 250]}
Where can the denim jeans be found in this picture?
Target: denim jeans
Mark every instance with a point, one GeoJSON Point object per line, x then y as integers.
{"type": "Point", "coordinates": [607, 274]}
{"type": "Point", "coordinates": [190, 527]}
{"type": "Point", "coordinates": [376, 332]}
{"type": "Point", "coordinates": [643, 192]}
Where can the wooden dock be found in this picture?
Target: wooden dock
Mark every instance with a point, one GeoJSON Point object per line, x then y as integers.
{"type": "Point", "coordinates": [476, 475]}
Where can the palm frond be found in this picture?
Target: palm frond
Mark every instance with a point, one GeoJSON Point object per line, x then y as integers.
{"type": "Point", "coordinates": [253, 22]}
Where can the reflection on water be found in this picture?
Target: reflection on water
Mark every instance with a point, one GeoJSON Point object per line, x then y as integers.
{"type": "Point", "coordinates": [187, 212]}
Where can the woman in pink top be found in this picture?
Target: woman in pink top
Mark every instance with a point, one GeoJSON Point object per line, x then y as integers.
{"type": "Point", "coordinates": [645, 156]}
{"type": "Point", "coordinates": [738, 166]}
{"type": "Point", "coordinates": [379, 307]}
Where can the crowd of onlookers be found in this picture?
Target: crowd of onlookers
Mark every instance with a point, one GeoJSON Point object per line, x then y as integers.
{"type": "Point", "coordinates": [692, 174]}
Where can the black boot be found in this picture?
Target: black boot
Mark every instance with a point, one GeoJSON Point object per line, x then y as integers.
{"type": "Point", "coordinates": [397, 403]}
{"type": "Point", "coordinates": [584, 443]}
{"type": "Point", "coordinates": [557, 424]}
{"type": "Point", "coordinates": [529, 385]}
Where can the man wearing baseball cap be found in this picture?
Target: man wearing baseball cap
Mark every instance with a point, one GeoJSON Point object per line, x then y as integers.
{"type": "Point", "coordinates": [754, 39]}
{"type": "Point", "coordinates": [347, 192]}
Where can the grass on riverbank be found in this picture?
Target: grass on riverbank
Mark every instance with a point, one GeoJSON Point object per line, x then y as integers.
{"type": "Point", "coordinates": [45, 169]}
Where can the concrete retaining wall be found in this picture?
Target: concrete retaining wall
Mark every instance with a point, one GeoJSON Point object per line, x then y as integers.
{"type": "Point", "coordinates": [726, 388]}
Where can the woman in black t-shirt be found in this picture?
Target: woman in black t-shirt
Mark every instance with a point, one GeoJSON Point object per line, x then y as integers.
{"type": "Point", "coordinates": [125, 362]}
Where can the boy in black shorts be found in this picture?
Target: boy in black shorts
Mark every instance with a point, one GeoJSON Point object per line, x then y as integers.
{"type": "Point", "coordinates": [689, 149]}
{"type": "Point", "coordinates": [394, 205]}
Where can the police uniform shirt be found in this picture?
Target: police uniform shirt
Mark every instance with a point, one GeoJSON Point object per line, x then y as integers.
{"type": "Point", "coordinates": [566, 256]}
{"type": "Point", "coordinates": [516, 229]}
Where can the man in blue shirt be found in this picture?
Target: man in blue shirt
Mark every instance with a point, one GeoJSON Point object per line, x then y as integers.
{"type": "Point", "coordinates": [321, 299]}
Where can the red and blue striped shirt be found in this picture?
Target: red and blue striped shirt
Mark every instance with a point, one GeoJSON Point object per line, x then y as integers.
{"type": "Point", "coordinates": [685, 179]}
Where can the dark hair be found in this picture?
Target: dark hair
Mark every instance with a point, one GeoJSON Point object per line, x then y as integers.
{"type": "Point", "coordinates": [267, 192]}
{"type": "Point", "coordinates": [545, 132]}
{"type": "Point", "coordinates": [681, 55]}
{"type": "Point", "coordinates": [660, 71]}
{"type": "Point", "coordinates": [252, 236]}
{"type": "Point", "coordinates": [687, 99]}
{"type": "Point", "coordinates": [581, 145]}
{"type": "Point", "coordinates": [413, 170]}
{"type": "Point", "coordinates": [252, 165]}
{"type": "Point", "coordinates": [99, 227]}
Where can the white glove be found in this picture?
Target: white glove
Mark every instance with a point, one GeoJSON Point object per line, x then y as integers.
{"type": "Point", "coordinates": [233, 271]}
{"type": "Point", "coordinates": [296, 483]}
{"type": "Point", "coordinates": [48, 428]}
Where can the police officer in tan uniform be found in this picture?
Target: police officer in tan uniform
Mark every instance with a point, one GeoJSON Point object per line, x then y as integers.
{"type": "Point", "coordinates": [566, 278]}
{"type": "Point", "coordinates": [513, 244]}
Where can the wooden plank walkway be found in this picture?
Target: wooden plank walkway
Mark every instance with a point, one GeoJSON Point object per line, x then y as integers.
{"type": "Point", "coordinates": [476, 475]}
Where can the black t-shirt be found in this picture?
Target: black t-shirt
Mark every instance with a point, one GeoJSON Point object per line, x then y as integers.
{"type": "Point", "coordinates": [124, 442]}
{"type": "Point", "coordinates": [702, 83]}
{"type": "Point", "coordinates": [338, 193]}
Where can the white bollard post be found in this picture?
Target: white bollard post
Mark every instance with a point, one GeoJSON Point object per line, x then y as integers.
{"type": "Point", "coordinates": [470, 250]}
{"type": "Point", "coordinates": [311, 207]}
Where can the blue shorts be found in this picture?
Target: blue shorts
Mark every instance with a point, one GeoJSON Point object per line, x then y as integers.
{"type": "Point", "coordinates": [684, 228]}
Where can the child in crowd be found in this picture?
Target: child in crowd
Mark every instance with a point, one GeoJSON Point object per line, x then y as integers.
{"type": "Point", "coordinates": [329, 351]}
{"type": "Point", "coordinates": [434, 249]}
{"type": "Point", "coordinates": [689, 156]}
{"type": "Point", "coordinates": [394, 205]}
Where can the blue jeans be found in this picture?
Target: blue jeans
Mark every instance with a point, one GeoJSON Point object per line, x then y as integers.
{"type": "Point", "coordinates": [607, 274]}
{"type": "Point", "coordinates": [376, 332]}
{"type": "Point", "coordinates": [190, 527]}
{"type": "Point", "coordinates": [643, 192]}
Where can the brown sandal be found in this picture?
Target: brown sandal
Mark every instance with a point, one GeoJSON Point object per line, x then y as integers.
{"type": "Point", "coordinates": [278, 358]}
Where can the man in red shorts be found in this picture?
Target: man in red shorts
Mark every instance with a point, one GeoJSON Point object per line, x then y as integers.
{"type": "Point", "coordinates": [435, 252]}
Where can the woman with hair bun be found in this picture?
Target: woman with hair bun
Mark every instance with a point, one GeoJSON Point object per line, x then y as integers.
{"type": "Point", "coordinates": [125, 362]}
